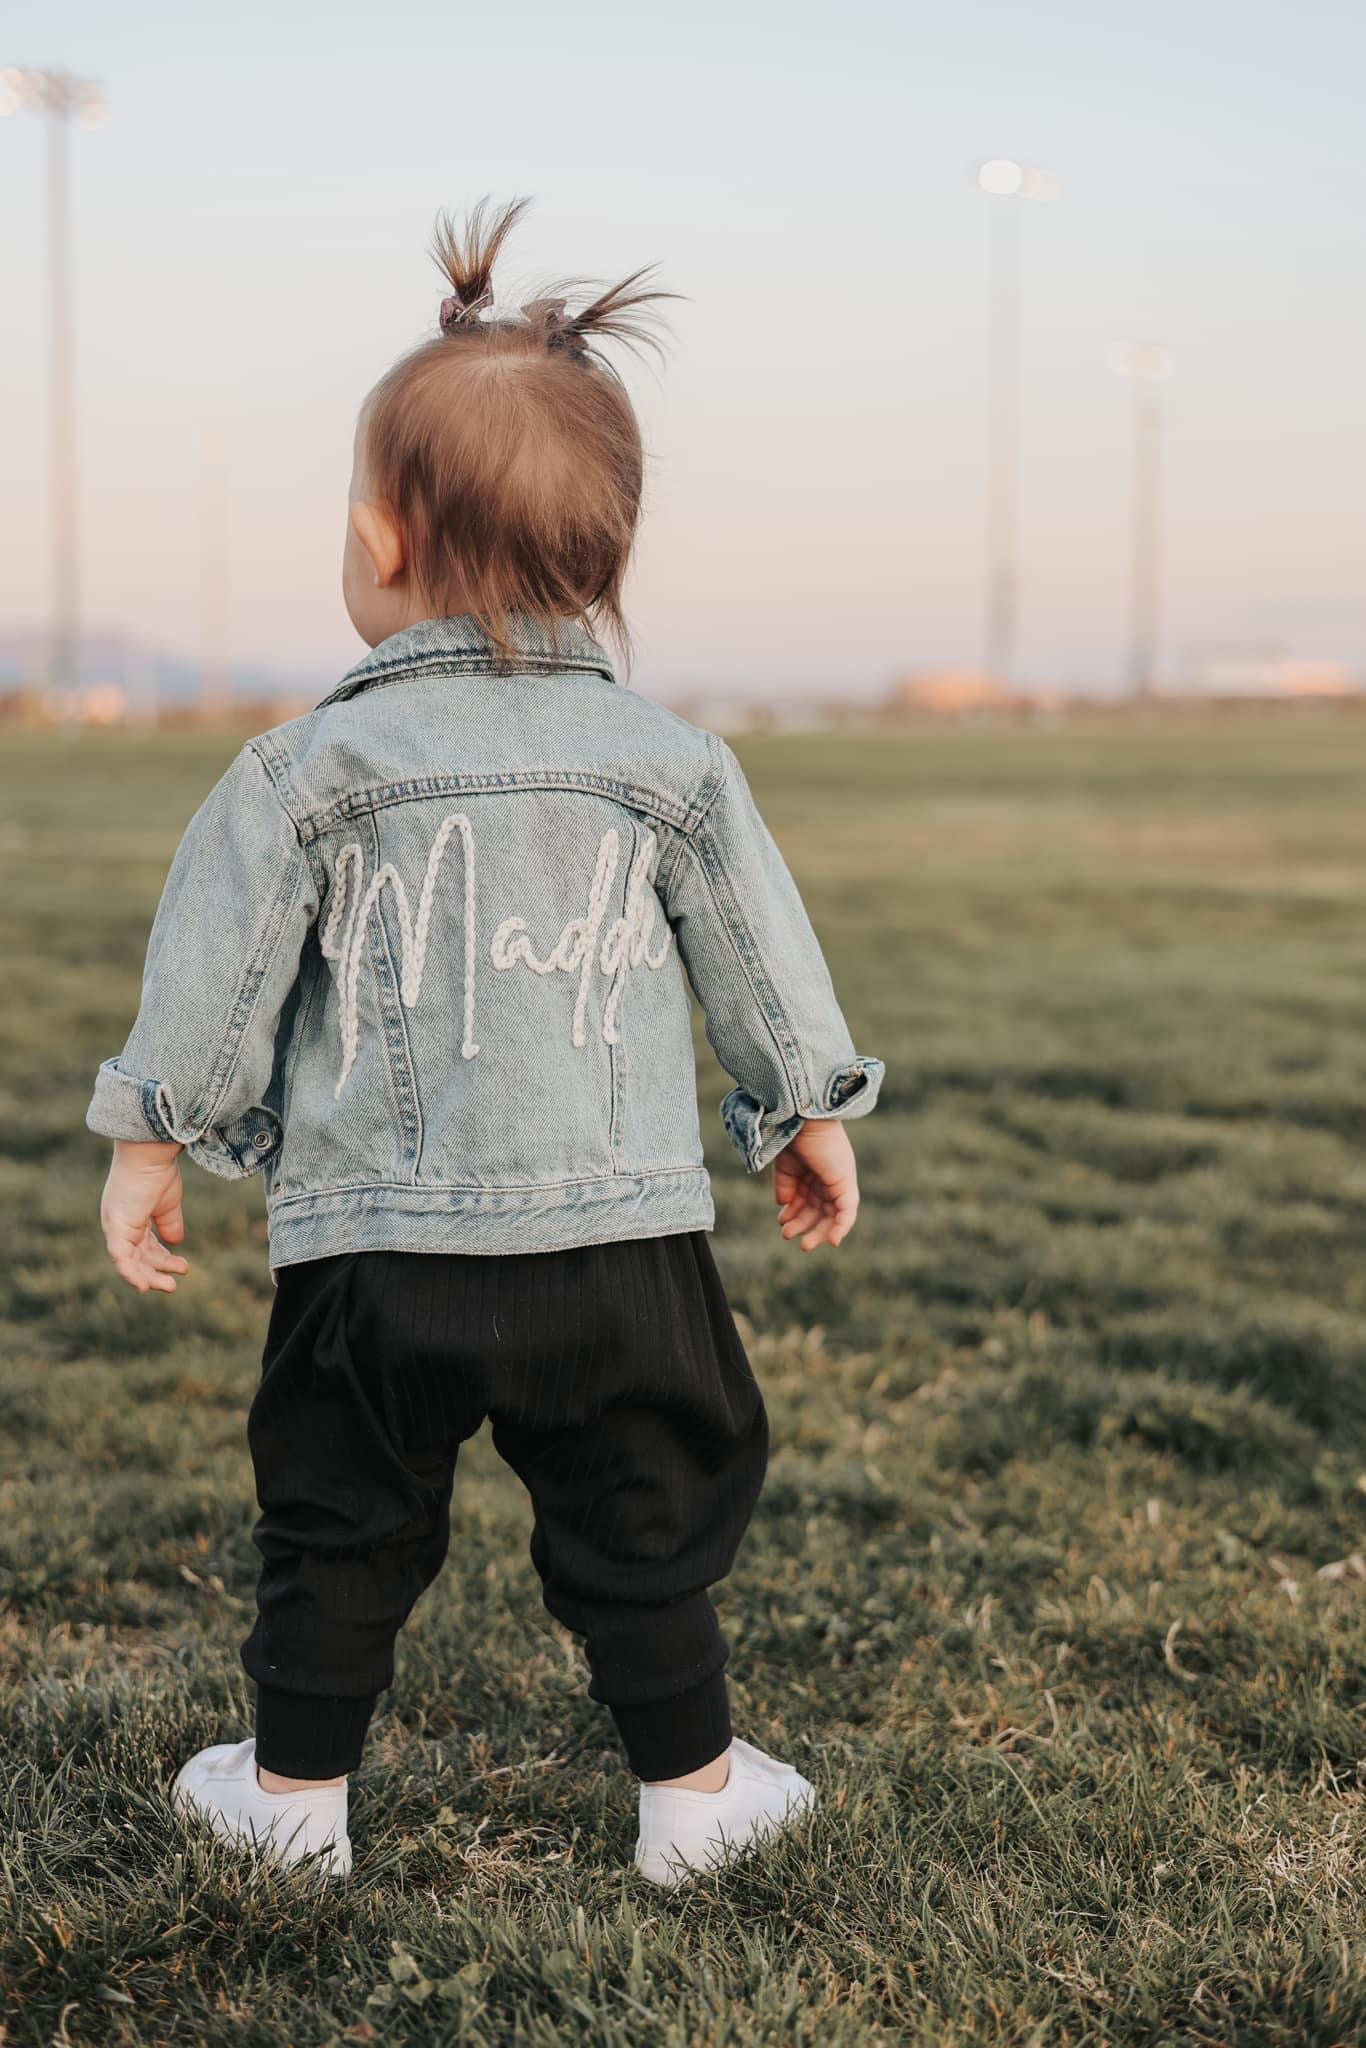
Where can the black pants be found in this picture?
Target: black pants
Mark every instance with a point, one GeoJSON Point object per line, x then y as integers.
{"type": "Point", "coordinates": [619, 1393]}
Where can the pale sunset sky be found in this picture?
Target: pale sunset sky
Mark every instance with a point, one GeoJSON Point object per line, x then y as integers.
{"type": "Point", "coordinates": [252, 222]}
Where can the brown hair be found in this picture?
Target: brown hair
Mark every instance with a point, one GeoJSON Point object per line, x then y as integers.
{"type": "Point", "coordinates": [507, 448]}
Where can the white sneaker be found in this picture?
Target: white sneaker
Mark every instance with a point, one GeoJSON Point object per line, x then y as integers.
{"type": "Point", "coordinates": [683, 1832]}
{"type": "Point", "coordinates": [222, 1785]}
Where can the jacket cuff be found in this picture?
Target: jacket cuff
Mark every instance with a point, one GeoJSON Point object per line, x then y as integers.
{"type": "Point", "coordinates": [760, 1134]}
{"type": "Point", "coordinates": [125, 1107]}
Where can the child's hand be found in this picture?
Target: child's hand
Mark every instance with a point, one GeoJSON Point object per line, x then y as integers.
{"type": "Point", "coordinates": [141, 1215]}
{"type": "Point", "coordinates": [815, 1184]}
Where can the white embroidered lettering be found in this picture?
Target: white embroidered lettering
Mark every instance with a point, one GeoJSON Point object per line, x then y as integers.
{"type": "Point", "coordinates": [628, 938]}
{"type": "Point", "coordinates": [625, 945]}
{"type": "Point", "coordinates": [581, 945]}
{"type": "Point", "coordinates": [412, 937]}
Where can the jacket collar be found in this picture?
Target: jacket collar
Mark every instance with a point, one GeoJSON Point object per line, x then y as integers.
{"type": "Point", "coordinates": [459, 646]}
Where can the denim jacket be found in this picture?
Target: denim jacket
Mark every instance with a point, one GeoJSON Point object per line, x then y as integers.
{"type": "Point", "coordinates": [420, 958]}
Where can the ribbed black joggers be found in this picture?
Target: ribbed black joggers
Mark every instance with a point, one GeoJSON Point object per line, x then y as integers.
{"type": "Point", "coordinates": [619, 1393]}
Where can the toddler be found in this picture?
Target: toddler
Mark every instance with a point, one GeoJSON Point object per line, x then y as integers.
{"type": "Point", "coordinates": [420, 960]}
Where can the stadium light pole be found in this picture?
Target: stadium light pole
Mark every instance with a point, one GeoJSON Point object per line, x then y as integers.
{"type": "Point", "coordinates": [1146, 366]}
{"type": "Point", "coordinates": [1004, 182]}
{"type": "Point", "coordinates": [62, 98]}
{"type": "Point", "coordinates": [215, 667]}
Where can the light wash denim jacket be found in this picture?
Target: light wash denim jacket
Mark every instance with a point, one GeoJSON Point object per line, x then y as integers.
{"type": "Point", "coordinates": [420, 958]}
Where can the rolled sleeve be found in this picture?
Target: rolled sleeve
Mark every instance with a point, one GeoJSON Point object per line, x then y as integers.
{"type": "Point", "coordinates": [125, 1107]}
{"type": "Point", "coordinates": [141, 1112]}
{"type": "Point", "coordinates": [759, 1134]}
{"type": "Point", "coordinates": [223, 957]}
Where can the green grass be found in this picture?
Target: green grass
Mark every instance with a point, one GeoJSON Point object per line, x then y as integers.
{"type": "Point", "coordinates": [1056, 1587]}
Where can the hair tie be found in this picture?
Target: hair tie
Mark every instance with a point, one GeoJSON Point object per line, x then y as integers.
{"type": "Point", "coordinates": [560, 332]}
{"type": "Point", "coordinates": [452, 312]}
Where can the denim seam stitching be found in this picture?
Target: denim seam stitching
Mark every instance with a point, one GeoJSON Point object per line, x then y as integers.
{"type": "Point", "coordinates": [712, 783]}
{"type": "Point", "coordinates": [301, 1022]}
{"type": "Point", "coordinates": [149, 1094]}
{"type": "Point", "coordinates": [472, 661]}
{"type": "Point", "coordinates": [275, 767]}
{"type": "Point", "coordinates": [615, 1048]}
{"type": "Point", "coordinates": [694, 817]}
{"type": "Point", "coordinates": [394, 1028]}
{"type": "Point", "coordinates": [383, 796]}
{"type": "Point", "coordinates": [384, 675]}
{"type": "Point", "coordinates": [248, 989]}
{"type": "Point", "coordinates": [244, 1007]}
{"type": "Point", "coordinates": [317, 987]}
{"type": "Point", "coordinates": [455, 1187]}
{"type": "Point", "coordinates": [730, 917]}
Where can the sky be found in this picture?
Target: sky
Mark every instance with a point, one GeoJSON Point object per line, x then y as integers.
{"type": "Point", "coordinates": [252, 222]}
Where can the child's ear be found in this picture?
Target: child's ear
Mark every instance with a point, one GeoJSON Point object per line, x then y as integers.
{"type": "Point", "coordinates": [377, 531]}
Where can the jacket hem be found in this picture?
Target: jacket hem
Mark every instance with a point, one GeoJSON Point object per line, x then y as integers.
{"type": "Point", "coordinates": [488, 1221]}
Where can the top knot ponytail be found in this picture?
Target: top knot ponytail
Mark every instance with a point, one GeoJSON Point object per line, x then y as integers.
{"type": "Point", "coordinates": [466, 256]}
{"type": "Point", "coordinates": [614, 315]}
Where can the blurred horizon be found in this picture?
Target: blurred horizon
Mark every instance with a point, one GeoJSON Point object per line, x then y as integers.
{"type": "Point", "coordinates": [251, 225]}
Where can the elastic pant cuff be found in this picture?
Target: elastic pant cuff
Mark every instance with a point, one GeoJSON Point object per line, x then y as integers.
{"type": "Point", "coordinates": [669, 1738]}
{"type": "Point", "coordinates": [310, 1735]}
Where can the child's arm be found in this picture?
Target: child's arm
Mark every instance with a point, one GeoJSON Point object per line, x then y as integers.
{"type": "Point", "coordinates": [222, 960]}
{"type": "Point", "coordinates": [772, 1017]}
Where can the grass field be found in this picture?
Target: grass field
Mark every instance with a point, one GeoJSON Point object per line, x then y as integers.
{"type": "Point", "coordinates": [1057, 1588]}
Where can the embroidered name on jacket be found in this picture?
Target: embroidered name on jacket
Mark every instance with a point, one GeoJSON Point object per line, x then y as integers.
{"type": "Point", "coordinates": [582, 946]}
